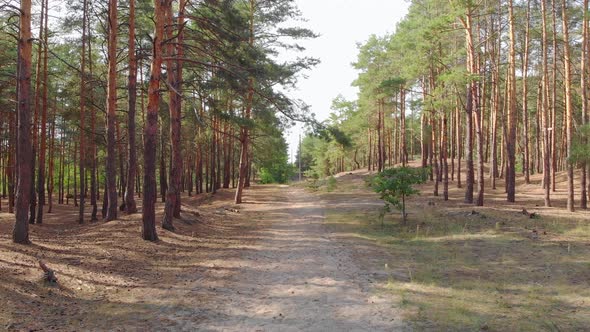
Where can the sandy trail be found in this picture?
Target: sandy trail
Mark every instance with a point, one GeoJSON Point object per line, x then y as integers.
{"type": "Point", "coordinates": [296, 277]}
{"type": "Point", "coordinates": [274, 266]}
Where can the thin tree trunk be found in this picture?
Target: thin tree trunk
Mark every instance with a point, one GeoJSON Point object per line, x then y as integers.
{"type": "Point", "coordinates": [111, 171]}
{"type": "Point", "coordinates": [245, 131]}
{"type": "Point", "coordinates": [545, 124]}
{"type": "Point", "coordinates": [553, 131]}
{"type": "Point", "coordinates": [584, 89]}
{"type": "Point", "coordinates": [525, 111]}
{"type": "Point", "coordinates": [511, 137]}
{"type": "Point", "coordinates": [444, 152]}
{"type": "Point", "coordinates": [83, 114]}
{"type": "Point", "coordinates": [42, 150]}
{"type": "Point", "coordinates": [469, 142]}
{"type": "Point", "coordinates": [50, 180]}
{"type": "Point", "coordinates": [129, 200]}
{"type": "Point", "coordinates": [458, 139]}
{"type": "Point", "coordinates": [163, 177]}
{"type": "Point", "coordinates": [568, 108]}
{"type": "Point", "coordinates": [93, 177]}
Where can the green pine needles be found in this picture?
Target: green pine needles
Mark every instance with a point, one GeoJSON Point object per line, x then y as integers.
{"type": "Point", "coordinates": [394, 185]}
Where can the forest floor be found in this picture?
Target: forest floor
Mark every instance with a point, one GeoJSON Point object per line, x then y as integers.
{"type": "Point", "coordinates": [457, 267]}
{"type": "Point", "coordinates": [308, 257]}
{"type": "Point", "coordinates": [270, 264]}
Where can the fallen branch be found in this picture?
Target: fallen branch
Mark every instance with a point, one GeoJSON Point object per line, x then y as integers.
{"type": "Point", "coordinates": [49, 274]}
{"type": "Point", "coordinates": [530, 215]}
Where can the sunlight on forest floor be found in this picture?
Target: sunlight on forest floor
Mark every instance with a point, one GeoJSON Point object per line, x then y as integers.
{"type": "Point", "coordinates": [494, 269]}
{"type": "Point", "coordinates": [109, 278]}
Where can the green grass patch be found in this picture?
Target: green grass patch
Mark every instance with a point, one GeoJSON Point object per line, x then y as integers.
{"type": "Point", "coordinates": [476, 272]}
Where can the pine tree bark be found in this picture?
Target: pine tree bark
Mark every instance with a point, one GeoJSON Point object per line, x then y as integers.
{"type": "Point", "coordinates": [20, 233]}
{"type": "Point", "coordinates": [173, 193]}
{"type": "Point", "coordinates": [553, 130]}
{"type": "Point", "coordinates": [83, 114]}
{"type": "Point", "coordinates": [111, 171]}
{"type": "Point", "coordinates": [404, 149]}
{"type": "Point", "coordinates": [245, 131]}
{"type": "Point", "coordinates": [10, 169]}
{"type": "Point", "coordinates": [148, 230]}
{"type": "Point", "coordinates": [94, 169]}
{"type": "Point", "coordinates": [568, 107]}
{"type": "Point", "coordinates": [511, 117]}
{"type": "Point", "coordinates": [545, 122]}
{"type": "Point", "coordinates": [130, 205]}
{"type": "Point", "coordinates": [38, 106]}
{"type": "Point", "coordinates": [43, 144]}
{"type": "Point", "coordinates": [163, 176]}
{"type": "Point", "coordinates": [525, 112]}
{"type": "Point", "coordinates": [584, 90]}
{"type": "Point", "coordinates": [50, 180]}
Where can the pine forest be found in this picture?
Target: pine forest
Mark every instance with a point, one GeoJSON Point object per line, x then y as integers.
{"type": "Point", "coordinates": [278, 165]}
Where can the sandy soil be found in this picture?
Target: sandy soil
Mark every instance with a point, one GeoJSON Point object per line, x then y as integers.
{"type": "Point", "coordinates": [297, 277]}
{"type": "Point", "coordinates": [271, 265]}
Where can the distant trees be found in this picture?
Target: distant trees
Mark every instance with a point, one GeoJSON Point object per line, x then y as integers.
{"type": "Point", "coordinates": [498, 84]}
{"type": "Point", "coordinates": [220, 95]}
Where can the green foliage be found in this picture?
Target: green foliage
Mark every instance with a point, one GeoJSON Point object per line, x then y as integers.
{"type": "Point", "coordinates": [277, 173]}
{"type": "Point", "coordinates": [394, 185]}
{"type": "Point", "coordinates": [271, 159]}
{"type": "Point", "coordinates": [581, 145]}
{"type": "Point", "coordinates": [331, 184]}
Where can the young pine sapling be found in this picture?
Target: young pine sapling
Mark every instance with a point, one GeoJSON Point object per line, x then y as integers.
{"type": "Point", "coordinates": [394, 185]}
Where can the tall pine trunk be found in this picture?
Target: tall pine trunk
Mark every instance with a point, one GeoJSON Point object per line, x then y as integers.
{"type": "Point", "coordinates": [173, 193]}
{"type": "Point", "coordinates": [511, 130]}
{"type": "Point", "coordinates": [111, 171]}
{"type": "Point", "coordinates": [20, 233]}
{"type": "Point", "coordinates": [83, 114]}
{"type": "Point", "coordinates": [245, 130]}
{"type": "Point", "coordinates": [43, 144]}
{"type": "Point", "coordinates": [148, 231]}
{"type": "Point", "coordinates": [584, 89]}
{"type": "Point", "coordinates": [568, 107]}
{"type": "Point", "coordinates": [545, 122]}
{"type": "Point", "coordinates": [130, 205]}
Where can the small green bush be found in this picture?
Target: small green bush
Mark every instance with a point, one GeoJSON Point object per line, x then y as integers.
{"type": "Point", "coordinates": [331, 184]}
{"type": "Point", "coordinates": [394, 185]}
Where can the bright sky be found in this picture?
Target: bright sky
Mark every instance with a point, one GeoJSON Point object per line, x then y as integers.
{"type": "Point", "coordinates": [342, 24]}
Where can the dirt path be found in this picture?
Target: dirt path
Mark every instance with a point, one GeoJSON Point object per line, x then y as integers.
{"type": "Point", "coordinates": [296, 277]}
{"type": "Point", "coordinates": [272, 266]}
